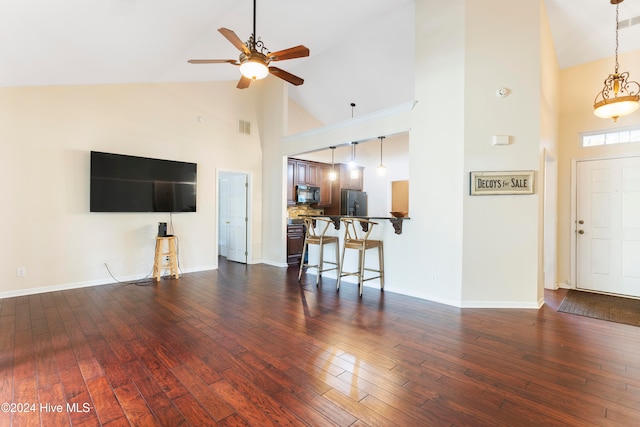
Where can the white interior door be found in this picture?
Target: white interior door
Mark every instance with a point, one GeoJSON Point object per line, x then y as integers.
{"type": "Point", "coordinates": [608, 226]}
{"type": "Point", "coordinates": [223, 214]}
{"type": "Point", "coordinates": [237, 220]}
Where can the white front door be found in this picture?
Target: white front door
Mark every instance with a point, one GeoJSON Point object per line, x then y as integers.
{"type": "Point", "coordinates": [237, 187]}
{"type": "Point", "coordinates": [608, 226]}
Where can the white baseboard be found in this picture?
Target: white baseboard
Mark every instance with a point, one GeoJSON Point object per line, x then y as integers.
{"type": "Point", "coordinates": [89, 283]}
{"type": "Point", "coordinates": [503, 304]}
{"type": "Point", "coordinates": [272, 263]}
{"type": "Point", "coordinates": [53, 288]}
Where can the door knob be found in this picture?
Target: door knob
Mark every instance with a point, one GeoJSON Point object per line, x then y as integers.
{"type": "Point", "coordinates": [581, 222]}
{"type": "Point", "coordinates": [580, 231]}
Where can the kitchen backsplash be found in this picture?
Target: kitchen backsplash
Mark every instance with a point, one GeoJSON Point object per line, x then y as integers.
{"type": "Point", "coordinates": [294, 212]}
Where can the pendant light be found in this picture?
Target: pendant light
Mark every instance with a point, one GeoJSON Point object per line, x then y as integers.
{"type": "Point", "coordinates": [353, 166]}
{"type": "Point", "coordinates": [619, 96]}
{"type": "Point", "coordinates": [381, 170]}
{"type": "Point", "coordinates": [332, 174]}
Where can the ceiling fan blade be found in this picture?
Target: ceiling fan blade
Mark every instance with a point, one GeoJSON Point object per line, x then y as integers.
{"type": "Point", "coordinates": [291, 53]}
{"type": "Point", "coordinates": [244, 82]}
{"type": "Point", "coordinates": [213, 61]}
{"type": "Point", "coordinates": [285, 75]}
{"type": "Point", "coordinates": [234, 39]}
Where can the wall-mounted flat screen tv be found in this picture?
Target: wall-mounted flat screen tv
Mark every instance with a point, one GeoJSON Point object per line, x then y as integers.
{"type": "Point", "coordinates": [121, 183]}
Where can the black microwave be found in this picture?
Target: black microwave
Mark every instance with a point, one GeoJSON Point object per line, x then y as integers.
{"type": "Point", "coordinates": [307, 194]}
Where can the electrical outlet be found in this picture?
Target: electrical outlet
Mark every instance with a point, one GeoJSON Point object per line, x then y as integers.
{"type": "Point", "coordinates": [21, 272]}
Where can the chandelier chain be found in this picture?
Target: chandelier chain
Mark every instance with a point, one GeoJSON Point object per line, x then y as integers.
{"type": "Point", "coordinates": [617, 28]}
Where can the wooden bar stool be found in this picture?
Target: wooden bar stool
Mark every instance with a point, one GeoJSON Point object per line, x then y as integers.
{"type": "Point", "coordinates": [361, 242]}
{"type": "Point", "coordinates": [320, 239]}
{"type": "Point", "coordinates": [159, 263]}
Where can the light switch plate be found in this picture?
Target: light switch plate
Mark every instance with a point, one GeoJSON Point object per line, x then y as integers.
{"type": "Point", "coordinates": [501, 140]}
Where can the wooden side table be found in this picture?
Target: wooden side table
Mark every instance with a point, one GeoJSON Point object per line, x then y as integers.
{"type": "Point", "coordinates": [171, 263]}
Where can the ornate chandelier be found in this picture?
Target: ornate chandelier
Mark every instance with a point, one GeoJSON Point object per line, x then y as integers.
{"type": "Point", "coordinates": [619, 96]}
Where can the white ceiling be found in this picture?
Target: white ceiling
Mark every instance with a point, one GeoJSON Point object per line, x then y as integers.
{"type": "Point", "coordinates": [584, 30]}
{"type": "Point", "coordinates": [71, 42]}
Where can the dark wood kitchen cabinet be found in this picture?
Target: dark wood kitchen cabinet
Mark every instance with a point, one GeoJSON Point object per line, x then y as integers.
{"type": "Point", "coordinates": [295, 241]}
{"type": "Point", "coordinates": [317, 174]}
{"type": "Point", "coordinates": [291, 182]}
{"type": "Point", "coordinates": [326, 186]}
{"type": "Point", "coordinates": [307, 173]}
{"type": "Point", "coordinates": [304, 172]}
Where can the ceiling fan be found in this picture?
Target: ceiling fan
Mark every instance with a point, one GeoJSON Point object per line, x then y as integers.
{"type": "Point", "coordinates": [255, 58]}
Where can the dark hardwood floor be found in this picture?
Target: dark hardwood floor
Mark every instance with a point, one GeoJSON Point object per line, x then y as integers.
{"type": "Point", "coordinates": [250, 346]}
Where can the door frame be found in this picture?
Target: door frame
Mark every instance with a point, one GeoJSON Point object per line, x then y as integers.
{"type": "Point", "coordinates": [220, 174]}
{"type": "Point", "coordinates": [550, 221]}
{"type": "Point", "coordinates": [574, 208]}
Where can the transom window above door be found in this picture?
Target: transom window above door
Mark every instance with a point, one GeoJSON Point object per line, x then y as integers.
{"type": "Point", "coordinates": [611, 136]}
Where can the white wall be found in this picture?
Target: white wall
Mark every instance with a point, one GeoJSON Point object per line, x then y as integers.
{"type": "Point", "coordinates": [383, 47]}
{"type": "Point", "coordinates": [437, 154]}
{"type": "Point", "coordinates": [549, 153]}
{"type": "Point", "coordinates": [501, 232]}
{"type": "Point", "coordinates": [47, 134]}
{"type": "Point", "coordinates": [299, 119]}
{"type": "Point", "coordinates": [395, 150]}
{"type": "Point", "coordinates": [273, 125]}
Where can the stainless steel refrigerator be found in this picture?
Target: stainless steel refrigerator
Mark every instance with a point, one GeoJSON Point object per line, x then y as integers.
{"type": "Point", "coordinates": [353, 203]}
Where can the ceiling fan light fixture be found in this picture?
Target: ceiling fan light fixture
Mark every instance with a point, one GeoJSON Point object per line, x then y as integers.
{"type": "Point", "coordinates": [255, 58]}
{"type": "Point", "coordinates": [619, 96]}
{"type": "Point", "coordinates": [254, 68]}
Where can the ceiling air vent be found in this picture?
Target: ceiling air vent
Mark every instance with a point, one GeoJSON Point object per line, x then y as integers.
{"type": "Point", "coordinates": [244, 127]}
{"type": "Point", "coordinates": [629, 22]}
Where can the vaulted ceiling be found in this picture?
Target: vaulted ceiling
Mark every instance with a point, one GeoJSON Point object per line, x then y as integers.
{"type": "Point", "coordinates": [362, 51]}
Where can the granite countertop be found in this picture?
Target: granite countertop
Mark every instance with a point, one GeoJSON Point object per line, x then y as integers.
{"type": "Point", "coordinates": [396, 222]}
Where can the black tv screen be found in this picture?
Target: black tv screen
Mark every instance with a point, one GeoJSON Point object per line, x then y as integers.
{"type": "Point", "coordinates": [121, 183]}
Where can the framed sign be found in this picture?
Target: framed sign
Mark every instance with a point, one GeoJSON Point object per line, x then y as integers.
{"type": "Point", "coordinates": [509, 182]}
